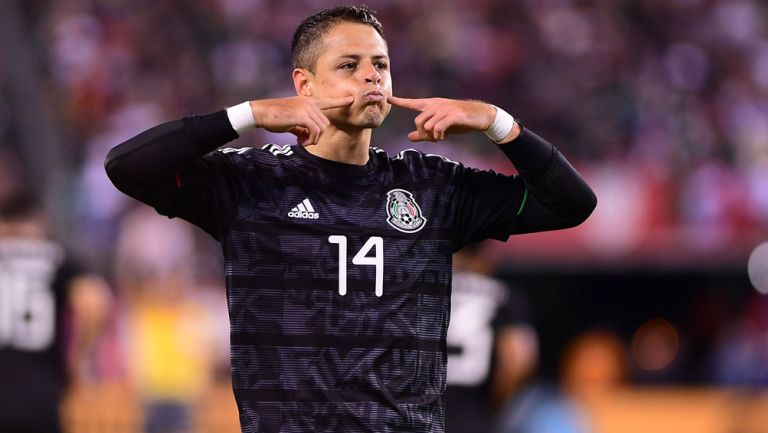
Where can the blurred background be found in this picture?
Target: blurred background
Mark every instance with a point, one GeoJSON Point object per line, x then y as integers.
{"type": "Point", "coordinates": [646, 316]}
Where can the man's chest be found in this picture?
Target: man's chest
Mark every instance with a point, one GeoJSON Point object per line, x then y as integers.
{"type": "Point", "coordinates": [386, 233]}
{"type": "Point", "coordinates": [382, 204]}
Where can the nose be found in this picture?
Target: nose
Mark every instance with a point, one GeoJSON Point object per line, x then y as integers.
{"type": "Point", "coordinates": [372, 75]}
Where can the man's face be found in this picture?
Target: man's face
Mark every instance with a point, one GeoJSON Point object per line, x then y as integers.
{"type": "Point", "coordinates": [354, 61]}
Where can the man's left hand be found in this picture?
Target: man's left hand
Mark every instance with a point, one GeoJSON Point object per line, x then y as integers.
{"type": "Point", "coordinates": [440, 116]}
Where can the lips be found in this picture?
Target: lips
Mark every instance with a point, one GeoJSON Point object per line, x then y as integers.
{"type": "Point", "coordinates": [373, 97]}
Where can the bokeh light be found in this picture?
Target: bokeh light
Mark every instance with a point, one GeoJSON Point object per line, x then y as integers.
{"type": "Point", "coordinates": [655, 345]}
{"type": "Point", "coordinates": [757, 268]}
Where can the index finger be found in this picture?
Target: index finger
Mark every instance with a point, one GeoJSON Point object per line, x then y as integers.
{"type": "Point", "coordinates": [411, 104]}
{"type": "Point", "coordinates": [326, 103]}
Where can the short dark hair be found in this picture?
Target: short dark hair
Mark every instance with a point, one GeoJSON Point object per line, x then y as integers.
{"type": "Point", "coordinates": [309, 34]}
{"type": "Point", "coordinates": [20, 205]}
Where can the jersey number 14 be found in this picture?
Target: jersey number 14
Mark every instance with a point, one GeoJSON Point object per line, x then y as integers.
{"type": "Point", "coordinates": [374, 243]}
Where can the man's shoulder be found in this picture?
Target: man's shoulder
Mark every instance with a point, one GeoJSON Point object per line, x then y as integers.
{"type": "Point", "coordinates": [267, 151]}
{"type": "Point", "coordinates": [31, 249]}
{"type": "Point", "coordinates": [414, 158]}
{"type": "Point", "coordinates": [266, 155]}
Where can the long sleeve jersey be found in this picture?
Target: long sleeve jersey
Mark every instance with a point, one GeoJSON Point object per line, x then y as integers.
{"type": "Point", "coordinates": [338, 276]}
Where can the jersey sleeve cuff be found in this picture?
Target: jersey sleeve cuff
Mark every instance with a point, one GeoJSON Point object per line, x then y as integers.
{"type": "Point", "coordinates": [241, 118]}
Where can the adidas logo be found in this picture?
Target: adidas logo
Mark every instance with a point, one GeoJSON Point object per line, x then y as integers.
{"type": "Point", "coordinates": [304, 210]}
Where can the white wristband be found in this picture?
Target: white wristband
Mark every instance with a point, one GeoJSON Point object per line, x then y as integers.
{"type": "Point", "coordinates": [501, 126]}
{"type": "Point", "coordinates": [241, 118]}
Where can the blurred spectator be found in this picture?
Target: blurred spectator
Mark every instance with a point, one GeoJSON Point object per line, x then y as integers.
{"type": "Point", "coordinates": [39, 287]}
{"type": "Point", "coordinates": [492, 346]}
{"type": "Point", "coordinates": [171, 327]}
{"type": "Point", "coordinates": [741, 353]}
{"type": "Point", "coordinates": [595, 363]}
{"type": "Point", "coordinates": [676, 89]}
{"type": "Point", "coordinates": [10, 174]}
{"type": "Point", "coordinates": [664, 101]}
{"type": "Point", "coordinates": [172, 354]}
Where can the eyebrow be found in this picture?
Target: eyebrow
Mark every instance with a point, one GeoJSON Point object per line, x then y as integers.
{"type": "Point", "coordinates": [358, 57]}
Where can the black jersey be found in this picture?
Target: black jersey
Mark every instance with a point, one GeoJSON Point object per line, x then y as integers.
{"type": "Point", "coordinates": [33, 278]}
{"type": "Point", "coordinates": [339, 280]}
{"type": "Point", "coordinates": [338, 276]}
{"type": "Point", "coordinates": [481, 306]}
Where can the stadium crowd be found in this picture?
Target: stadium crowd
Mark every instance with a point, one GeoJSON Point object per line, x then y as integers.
{"type": "Point", "coordinates": [665, 97]}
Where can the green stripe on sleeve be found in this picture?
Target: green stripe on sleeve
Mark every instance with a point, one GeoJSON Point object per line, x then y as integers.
{"type": "Point", "coordinates": [525, 200]}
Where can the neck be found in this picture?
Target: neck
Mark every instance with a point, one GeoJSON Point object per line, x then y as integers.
{"type": "Point", "coordinates": [347, 146]}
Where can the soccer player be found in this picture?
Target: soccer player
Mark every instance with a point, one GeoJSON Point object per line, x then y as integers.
{"type": "Point", "coordinates": [338, 256]}
{"type": "Point", "coordinates": [492, 346]}
{"type": "Point", "coordinates": [38, 285]}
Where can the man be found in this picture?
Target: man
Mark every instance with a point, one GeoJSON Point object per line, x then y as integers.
{"type": "Point", "coordinates": [38, 285]}
{"type": "Point", "coordinates": [492, 347]}
{"type": "Point", "coordinates": [338, 257]}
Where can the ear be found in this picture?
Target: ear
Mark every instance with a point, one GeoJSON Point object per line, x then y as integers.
{"type": "Point", "coordinates": [303, 81]}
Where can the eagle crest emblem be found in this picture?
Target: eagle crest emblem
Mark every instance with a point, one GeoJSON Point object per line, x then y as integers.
{"type": "Point", "coordinates": [403, 213]}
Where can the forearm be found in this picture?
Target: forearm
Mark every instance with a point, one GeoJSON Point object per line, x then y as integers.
{"type": "Point", "coordinates": [157, 153]}
{"type": "Point", "coordinates": [558, 196]}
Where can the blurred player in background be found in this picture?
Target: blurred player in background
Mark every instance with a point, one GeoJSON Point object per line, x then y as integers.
{"type": "Point", "coordinates": [42, 347]}
{"type": "Point", "coordinates": [171, 328]}
{"type": "Point", "coordinates": [337, 256]}
{"type": "Point", "coordinates": [492, 346]}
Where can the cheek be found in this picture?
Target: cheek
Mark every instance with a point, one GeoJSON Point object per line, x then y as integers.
{"type": "Point", "coordinates": [387, 88]}
{"type": "Point", "coordinates": [335, 88]}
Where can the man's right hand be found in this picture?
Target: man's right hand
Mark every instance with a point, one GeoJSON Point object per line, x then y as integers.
{"type": "Point", "coordinates": [302, 116]}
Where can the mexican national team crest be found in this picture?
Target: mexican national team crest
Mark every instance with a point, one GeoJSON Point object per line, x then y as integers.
{"type": "Point", "coordinates": [402, 211]}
